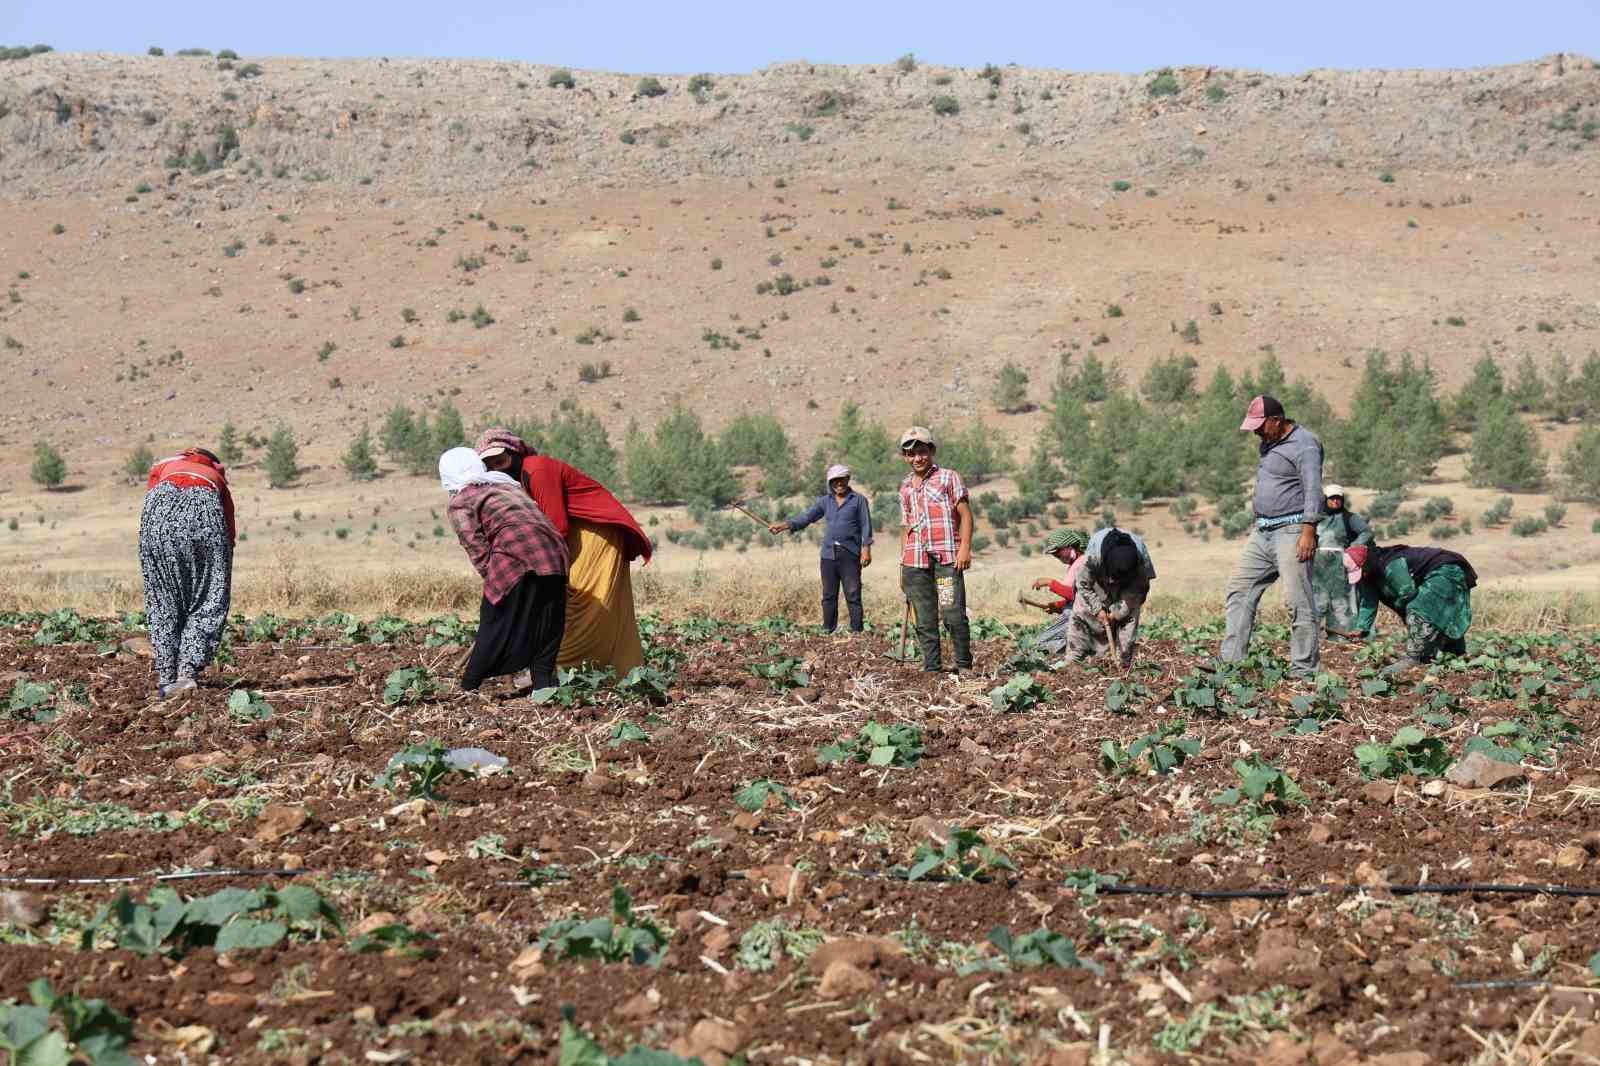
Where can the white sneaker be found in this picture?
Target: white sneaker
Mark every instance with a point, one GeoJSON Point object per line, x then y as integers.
{"type": "Point", "coordinates": [523, 680]}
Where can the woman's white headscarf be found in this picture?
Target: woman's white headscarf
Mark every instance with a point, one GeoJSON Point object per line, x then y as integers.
{"type": "Point", "coordinates": [460, 467]}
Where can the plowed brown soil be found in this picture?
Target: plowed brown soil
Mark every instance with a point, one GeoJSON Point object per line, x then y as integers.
{"type": "Point", "coordinates": [1354, 971]}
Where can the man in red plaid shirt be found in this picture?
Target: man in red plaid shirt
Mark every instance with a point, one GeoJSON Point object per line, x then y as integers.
{"type": "Point", "coordinates": [937, 549]}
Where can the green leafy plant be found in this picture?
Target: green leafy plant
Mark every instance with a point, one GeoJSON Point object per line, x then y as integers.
{"type": "Point", "coordinates": [579, 1049]}
{"type": "Point", "coordinates": [245, 705]}
{"type": "Point", "coordinates": [782, 674]}
{"type": "Point", "coordinates": [574, 687]}
{"type": "Point", "coordinates": [753, 797]}
{"type": "Point", "coordinates": [396, 939]}
{"type": "Point", "coordinates": [647, 683]}
{"type": "Point", "coordinates": [1163, 750]}
{"type": "Point", "coordinates": [1039, 948]}
{"type": "Point", "coordinates": [31, 700]}
{"type": "Point", "coordinates": [622, 937]}
{"type": "Point", "coordinates": [877, 745]}
{"type": "Point", "coordinates": [625, 732]}
{"type": "Point", "coordinates": [962, 857]}
{"type": "Point", "coordinates": [90, 1030]}
{"type": "Point", "coordinates": [449, 631]}
{"type": "Point", "coordinates": [408, 685]}
{"type": "Point", "coordinates": [230, 920]}
{"type": "Point", "coordinates": [1265, 786]}
{"type": "Point", "coordinates": [1087, 882]}
{"type": "Point", "coordinates": [1120, 695]}
{"type": "Point", "coordinates": [1019, 694]}
{"type": "Point", "coordinates": [418, 769]}
{"type": "Point", "coordinates": [1410, 751]}
{"type": "Point", "coordinates": [765, 943]}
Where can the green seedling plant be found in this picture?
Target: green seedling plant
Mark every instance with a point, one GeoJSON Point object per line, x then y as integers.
{"type": "Point", "coordinates": [90, 1030]}
{"type": "Point", "coordinates": [1025, 659]}
{"type": "Point", "coordinates": [1162, 751]}
{"type": "Point", "coordinates": [754, 796]}
{"type": "Point", "coordinates": [1512, 741]}
{"type": "Point", "coordinates": [31, 701]}
{"type": "Point", "coordinates": [580, 1049]}
{"type": "Point", "coordinates": [1266, 787]}
{"type": "Point", "coordinates": [417, 770]}
{"type": "Point", "coordinates": [408, 685]}
{"type": "Point", "coordinates": [622, 937]}
{"type": "Point", "coordinates": [574, 687]}
{"type": "Point", "coordinates": [987, 628]}
{"type": "Point", "coordinates": [1087, 882]}
{"type": "Point", "coordinates": [1410, 751]}
{"type": "Point", "coordinates": [245, 705]}
{"type": "Point", "coordinates": [396, 939]}
{"type": "Point", "coordinates": [782, 674]}
{"type": "Point", "coordinates": [387, 629]}
{"type": "Point", "coordinates": [1021, 693]}
{"type": "Point", "coordinates": [1041, 947]}
{"type": "Point", "coordinates": [1324, 703]}
{"type": "Point", "coordinates": [230, 920]}
{"type": "Point", "coordinates": [877, 745]}
{"type": "Point", "coordinates": [66, 626]}
{"type": "Point", "coordinates": [765, 943]}
{"type": "Point", "coordinates": [449, 631]}
{"type": "Point", "coordinates": [962, 857]}
{"type": "Point", "coordinates": [625, 732]}
{"type": "Point", "coordinates": [647, 683]}
{"type": "Point", "coordinates": [1122, 696]}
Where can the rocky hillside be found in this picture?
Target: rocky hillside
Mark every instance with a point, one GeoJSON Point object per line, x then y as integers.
{"type": "Point", "coordinates": [76, 124]}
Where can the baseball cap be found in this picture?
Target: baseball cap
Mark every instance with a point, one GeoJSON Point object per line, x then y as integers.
{"type": "Point", "coordinates": [1354, 559]}
{"type": "Point", "coordinates": [1261, 408]}
{"type": "Point", "coordinates": [915, 435]}
{"type": "Point", "coordinates": [1330, 490]}
{"type": "Point", "coordinates": [837, 470]}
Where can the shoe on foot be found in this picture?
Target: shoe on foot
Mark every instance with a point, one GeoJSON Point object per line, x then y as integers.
{"type": "Point", "coordinates": [177, 688]}
{"type": "Point", "coordinates": [523, 680]}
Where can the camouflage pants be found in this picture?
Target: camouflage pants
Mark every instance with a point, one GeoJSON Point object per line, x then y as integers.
{"type": "Point", "coordinates": [1086, 637]}
{"type": "Point", "coordinates": [1424, 640]}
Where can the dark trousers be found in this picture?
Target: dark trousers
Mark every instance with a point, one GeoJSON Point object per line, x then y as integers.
{"type": "Point", "coordinates": [922, 589]}
{"type": "Point", "coordinates": [521, 632]}
{"type": "Point", "coordinates": [844, 570]}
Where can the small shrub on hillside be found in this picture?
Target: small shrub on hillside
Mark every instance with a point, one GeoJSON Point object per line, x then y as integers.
{"type": "Point", "coordinates": [945, 105]}
{"type": "Point", "coordinates": [136, 469]}
{"type": "Point", "coordinates": [701, 83]}
{"type": "Point", "coordinates": [282, 458]}
{"type": "Point", "coordinates": [156, 50]}
{"type": "Point", "coordinates": [1554, 513]}
{"type": "Point", "coordinates": [358, 460]}
{"type": "Point", "coordinates": [650, 87]}
{"type": "Point", "coordinates": [1165, 83]}
{"type": "Point", "coordinates": [49, 468]}
{"type": "Point", "coordinates": [1011, 389]}
{"type": "Point", "coordinates": [561, 79]}
{"type": "Point", "coordinates": [1528, 527]}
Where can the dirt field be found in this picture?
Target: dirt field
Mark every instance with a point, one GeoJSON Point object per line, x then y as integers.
{"type": "Point", "coordinates": [1352, 964]}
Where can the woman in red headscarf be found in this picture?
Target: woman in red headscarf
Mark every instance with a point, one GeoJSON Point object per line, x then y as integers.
{"type": "Point", "coordinates": [602, 538]}
{"type": "Point", "coordinates": [186, 534]}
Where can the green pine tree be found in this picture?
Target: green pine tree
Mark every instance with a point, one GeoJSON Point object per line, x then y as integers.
{"type": "Point", "coordinates": [1487, 385]}
{"type": "Point", "coordinates": [358, 460]}
{"type": "Point", "coordinates": [136, 468]}
{"type": "Point", "coordinates": [1581, 463]}
{"type": "Point", "coordinates": [49, 469]}
{"type": "Point", "coordinates": [1011, 389]}
{"type": "Point", "coordinates": [1506, 453]}
{"type": "Point", "coordinates": [228, 448]}
{"type": "Point", "coordinates": [282, 455]}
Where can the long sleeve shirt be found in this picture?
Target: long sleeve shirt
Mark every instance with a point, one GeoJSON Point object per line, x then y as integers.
{"type": "Point", "coordinates": [191, 470]}
{"type": "Point", "coordinates": [506, 537]}
{"type": "Point", "coordinates": [563, 492]}
{"type": "Point", "coordinates": [848, 527]}
{"type": "Point", "coordinates": [1068, 589]}
{"type": "Point", "coordinates": [1093, 593]}
{"type": "Point", "coordinates": [1289, 477]}
{"type": "Point", "coordinates": [1443, 597]}
{"type": "Point", "coordinates": [1346, 529]}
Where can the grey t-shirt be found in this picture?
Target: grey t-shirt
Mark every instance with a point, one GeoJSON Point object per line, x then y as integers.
{"type": "Point", "coordinates": [1289, 476]}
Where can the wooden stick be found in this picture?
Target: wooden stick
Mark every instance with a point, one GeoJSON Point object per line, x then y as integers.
{"type": "Point", "coordinates": [905, 630]}
{"type": "Point", "coordinates": [757, 519]}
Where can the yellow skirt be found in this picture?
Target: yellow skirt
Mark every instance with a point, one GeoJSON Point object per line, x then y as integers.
{"type": "Point", "coordinates": [602, 629]}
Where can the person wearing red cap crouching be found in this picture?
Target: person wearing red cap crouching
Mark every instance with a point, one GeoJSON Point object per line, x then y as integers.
{"type": "Point", "coordinates": [846, 545]}
{"type": "Point", "coordinates": [1288, 506]}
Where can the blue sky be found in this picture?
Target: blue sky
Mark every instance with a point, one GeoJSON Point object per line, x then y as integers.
{"type": "Point", "coordinates": [665, 37]}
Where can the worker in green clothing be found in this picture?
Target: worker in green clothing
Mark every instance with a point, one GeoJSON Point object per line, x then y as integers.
{"type": "Point", "coordinates": [1340, 528]}
{"type": "Point", "coordinates": [1431, 588]}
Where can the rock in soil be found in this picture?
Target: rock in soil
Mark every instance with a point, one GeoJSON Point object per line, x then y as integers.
{"type": "Point", "coordinates": [844, 981]}
{"type": "Point", "coordinates": [281, 820]}
{"type": "Point", "coordinates": [23, 908]}
{"type": "Point", "coordinates": [1477, 770]}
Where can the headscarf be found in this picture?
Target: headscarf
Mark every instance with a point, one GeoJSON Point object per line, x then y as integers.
{"type": "Point", "coordinates": [515, 446]}
{"type": "Point", "coordinates": [1354, 560]}
{"type": "Point", "coordinates": [1119, 558]}
{"type": "Point", "coordinates": [1065, 538]}
{"type": "Point", "coordinates": [460, 467]}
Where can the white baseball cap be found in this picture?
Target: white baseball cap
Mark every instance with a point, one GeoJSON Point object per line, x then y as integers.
{"type": "Point", "coordinates": [837, 470]}
{"type": "Point", "coordinates": [1332, 490]}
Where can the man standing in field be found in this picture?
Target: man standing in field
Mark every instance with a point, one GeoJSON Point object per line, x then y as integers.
{"type": "Point", "coordinates": [936, 550]}
{"type": "Point", "coordinates": [846, 545]}
{"type": "Point", "coordinates": [1288, 506]}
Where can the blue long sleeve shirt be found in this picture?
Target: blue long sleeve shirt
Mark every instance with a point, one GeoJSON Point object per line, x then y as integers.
{"type": "Point", "coordinates": [849, 524]}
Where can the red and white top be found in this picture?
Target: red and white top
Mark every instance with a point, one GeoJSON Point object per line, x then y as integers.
{"type": "Point", "coordinates": [928, 511]}
{"type": "Point", "coordinates": [192, 470]}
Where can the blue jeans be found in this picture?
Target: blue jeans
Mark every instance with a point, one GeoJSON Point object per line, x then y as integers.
{"type": "Point", "coordinates": [844, 570]}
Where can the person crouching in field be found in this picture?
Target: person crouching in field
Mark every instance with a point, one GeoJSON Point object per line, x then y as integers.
{"type": "Point", "coordinates": [846, 545]}
{"type": "Point", "coordinates": [523, 562]}
{"type": "Point", "coordinates": [186, 535]}
{"type": "Point", "coordinates": [1109, 595]}
{"type": "Point", "coordinates": [1430, 588]}
{"type": "Point", "coordinates": [1067, 546]}
{"type": "Point", "coordinates": [602, 539]}
{"type": "Point", "coordinates": [937, 549]}
{"type": "Point", "coordinates": [1341, 528]}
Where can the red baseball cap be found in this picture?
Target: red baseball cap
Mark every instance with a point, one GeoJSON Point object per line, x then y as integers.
{"type": "Point", "coordinates": [1261, 408]}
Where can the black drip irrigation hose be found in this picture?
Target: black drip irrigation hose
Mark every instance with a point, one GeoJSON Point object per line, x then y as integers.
{"type": "Point", "coordinates": [128, 879]}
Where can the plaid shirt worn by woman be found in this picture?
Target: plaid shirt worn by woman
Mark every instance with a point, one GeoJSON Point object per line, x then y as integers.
{"type": "Point", "coordinates": [929, 514]}
{"type": "Point", "coordinates": [506, 536]}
